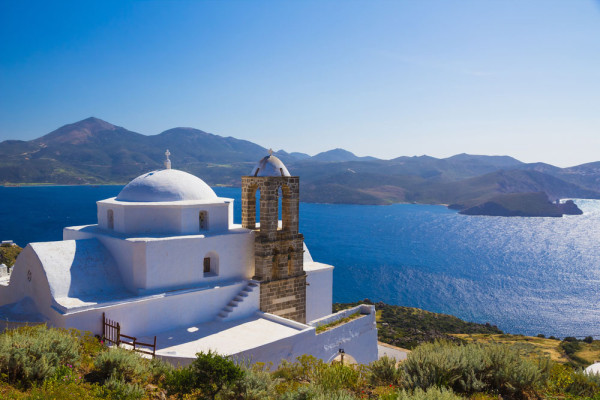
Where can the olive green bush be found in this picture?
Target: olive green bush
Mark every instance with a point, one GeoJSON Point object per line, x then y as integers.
{"type": "Point", "coordinates": [432, 393]}
{"type": "Point", "coordinates": [32, 354]}
{"type": "Point", "coordinates": [474, 367]}
{"type": "Point", "coordinates": [208, 374]}
{"type": "Point", "coordinates": [383, 372]}
{"type": "Point", "coordinates": [119, 364]}
{"type": "Point", "coordinates": [256, 384]}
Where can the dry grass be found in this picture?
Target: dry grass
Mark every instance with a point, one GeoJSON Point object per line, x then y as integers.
{"type": "Point", "coordinates": [528, 345]}
{"type": "Point", "coordinates": [589, 352]}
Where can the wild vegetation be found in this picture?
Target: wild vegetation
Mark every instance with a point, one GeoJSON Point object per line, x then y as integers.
{"type": "Point", "coordinates": [46, 363]}
{"type": "Point", "coordinates": [9, 253]}
{"type": "Point", "coordinates": [408, 327]}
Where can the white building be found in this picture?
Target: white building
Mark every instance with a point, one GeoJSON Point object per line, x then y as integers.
{"type": "Point", "coordinates": [165, 259]}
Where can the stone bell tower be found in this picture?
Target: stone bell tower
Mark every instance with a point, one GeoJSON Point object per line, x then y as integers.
{"type": "Point", "coordinates": [278, 250]}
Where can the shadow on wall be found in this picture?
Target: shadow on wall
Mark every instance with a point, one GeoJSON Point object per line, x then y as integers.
{"type": "Point", "coordinates": [93, 273]}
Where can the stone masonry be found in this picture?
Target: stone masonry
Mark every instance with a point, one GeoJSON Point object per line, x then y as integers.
{"type": "Point", "coordinates": [278, 252]}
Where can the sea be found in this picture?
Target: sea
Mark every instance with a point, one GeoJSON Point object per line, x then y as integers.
{"type": "Point", "coordinates": [525, 275]}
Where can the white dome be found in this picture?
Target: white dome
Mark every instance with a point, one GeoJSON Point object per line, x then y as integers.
{"type": "Point", "coordinates": [270, 166]}
{"type": "Point", "coordinates": [166, 185]}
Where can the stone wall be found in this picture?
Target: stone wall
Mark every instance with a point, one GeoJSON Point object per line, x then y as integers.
{"type": "Point", "coordinates": [285, 298]}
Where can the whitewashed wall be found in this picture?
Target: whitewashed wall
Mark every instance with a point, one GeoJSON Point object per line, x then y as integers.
{"type": "Point", "coordinates": [319, 295]}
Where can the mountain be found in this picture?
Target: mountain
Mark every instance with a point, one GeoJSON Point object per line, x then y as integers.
{"type": "Point", "coordinates": [97, 152]}
{"type": "Point", "coordinates": [337, 155]}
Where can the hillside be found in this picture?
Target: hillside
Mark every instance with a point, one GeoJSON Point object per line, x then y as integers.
{"type": "Point", "coordinates": [409, 327]}
{"type": "Point", "coordinates": [9, 254]}
{"type": "Point", "coordinates": [93, 151]}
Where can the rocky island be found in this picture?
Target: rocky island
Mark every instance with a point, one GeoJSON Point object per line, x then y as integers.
{"type": "Point", "coordinates": [522, 205]}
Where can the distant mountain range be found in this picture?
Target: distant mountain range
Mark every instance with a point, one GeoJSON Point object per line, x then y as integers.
{"type": "Point", "coordinates": [94, 151]}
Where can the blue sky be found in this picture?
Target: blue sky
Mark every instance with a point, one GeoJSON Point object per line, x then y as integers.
{"type": "Point", "coordinates": [375, 77]}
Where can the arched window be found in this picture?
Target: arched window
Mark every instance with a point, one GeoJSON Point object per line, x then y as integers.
{"type": "Point", "coordinates": [203, 220]}
{"type": "Point", "coordinates": [210, 264]}
{"type": "Point", "coordinates": [256, 206]}
{"type": "Point", "coordinates": [279, 207]}
{"type": "Point", "coordinates": [110, 219]}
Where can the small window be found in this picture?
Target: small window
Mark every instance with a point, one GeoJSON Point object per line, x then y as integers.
{"type": "Point", "coordinates": [203, 220]}
{"type": "Point", "coordinates": [110, 219]}
{"type": "Point", "coordinates": [206, 265]}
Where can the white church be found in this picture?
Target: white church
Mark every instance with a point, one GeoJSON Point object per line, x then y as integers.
{"type": "Point", "coordinates": [166, 262]}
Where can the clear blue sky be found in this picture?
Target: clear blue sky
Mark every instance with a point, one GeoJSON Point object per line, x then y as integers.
{"type": "Point", "coordinates": [375, 77]}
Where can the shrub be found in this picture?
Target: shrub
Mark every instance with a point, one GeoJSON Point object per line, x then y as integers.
{"type": "Point", "coordinates": [430, 394]}
{"type": "Point", "coordinates": [588, 339]}
{"type": "Point", "coordinates": [55, 390]}
{"type": "Point", "coordinates": [564, 379]}
{"type": "Point", "coordinates": [541, 335]}
{"type": "Point", "coordinates": [120, 364]}
{"type": "Point", "coordinates": [256, 384]}
{"type": "Point", "coordinates": [180, 381]}
{"type": "Point", "coordinates": [208, 374]}
{"type": "Point", "coordinates": [384, 372]}
{"type": "Point", "coordinates": [472, 368]}
{"type": "Point", "coordinates": [33, 354]}
{"type": "Point", "coordinates": [115, 388]}
{"type": "Point", "coordinates": [336, 376]}
{"type": "Point", "coordinates": [314, 392]}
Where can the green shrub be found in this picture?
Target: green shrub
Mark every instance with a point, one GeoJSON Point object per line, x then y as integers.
{"type": "Point", "coordinates": [180, 381]}
{"type": "Point", "coordinates": [330, 377]}
{"type": "Point", "coordinates": [314, 392]}
{"type": "Point", "coordinates": [57, 390]}
{"type": "Point", "coordinates": [588, 339]}
{"type": "Point", "coordinates": [115, 388]}
{"type": "Point", "coordinates": [159, 369]}
{"type": "Point", "coordinates": [473, 368]}
{"type": "Point", "coordinates": [33, 354]}
{"type": "Point", "coordinates": [430, 394]}
{"type": "Point", "coordinates": [564, 379]}
{"type": "Point", "coordinates": [256, 384]}
{"type": "Point", "coordinates": [335, 377]}
{"type": "Point", "coordinates": [384, 372]}
{"type": "Point", "coordinates": [208, 374]}
{"type": "Point", "coordinates": [120, 364]}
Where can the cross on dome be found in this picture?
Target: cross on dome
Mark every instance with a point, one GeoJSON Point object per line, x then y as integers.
{"type": "Point", "coordinates": [270, 152]}
{"type": "Point", "coordinates": [167, 161]}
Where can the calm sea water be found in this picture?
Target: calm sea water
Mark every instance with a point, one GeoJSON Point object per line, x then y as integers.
{"type": "Point", "coordinates": [527, 275]}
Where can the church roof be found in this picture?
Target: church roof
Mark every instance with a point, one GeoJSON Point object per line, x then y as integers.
{"type": "Point", "coordinates": [270, 166]}
{"type": "Point", "coordinates": [80, 272]}
{"type": "Point", "coordinates": [166, 185]}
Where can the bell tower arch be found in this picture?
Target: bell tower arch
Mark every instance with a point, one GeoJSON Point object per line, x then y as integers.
{"type": "Point", "coordinates": [278, 248]}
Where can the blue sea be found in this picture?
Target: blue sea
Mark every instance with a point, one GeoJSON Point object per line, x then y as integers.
{"type": "Point", "coordinates": [526, 275]}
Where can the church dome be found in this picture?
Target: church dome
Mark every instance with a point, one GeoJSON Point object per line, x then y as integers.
{"type": "Point", "coordinates": [166, 185]}
{"type": "Point", "coordinates": [270, 166]}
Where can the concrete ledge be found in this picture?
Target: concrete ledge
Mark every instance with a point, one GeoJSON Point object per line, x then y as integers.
{"type": "Point", "coordinates": [364, 309]}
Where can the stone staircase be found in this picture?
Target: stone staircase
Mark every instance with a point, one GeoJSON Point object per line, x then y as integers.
{"type": "Point", "coordinates": [228, 311]}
